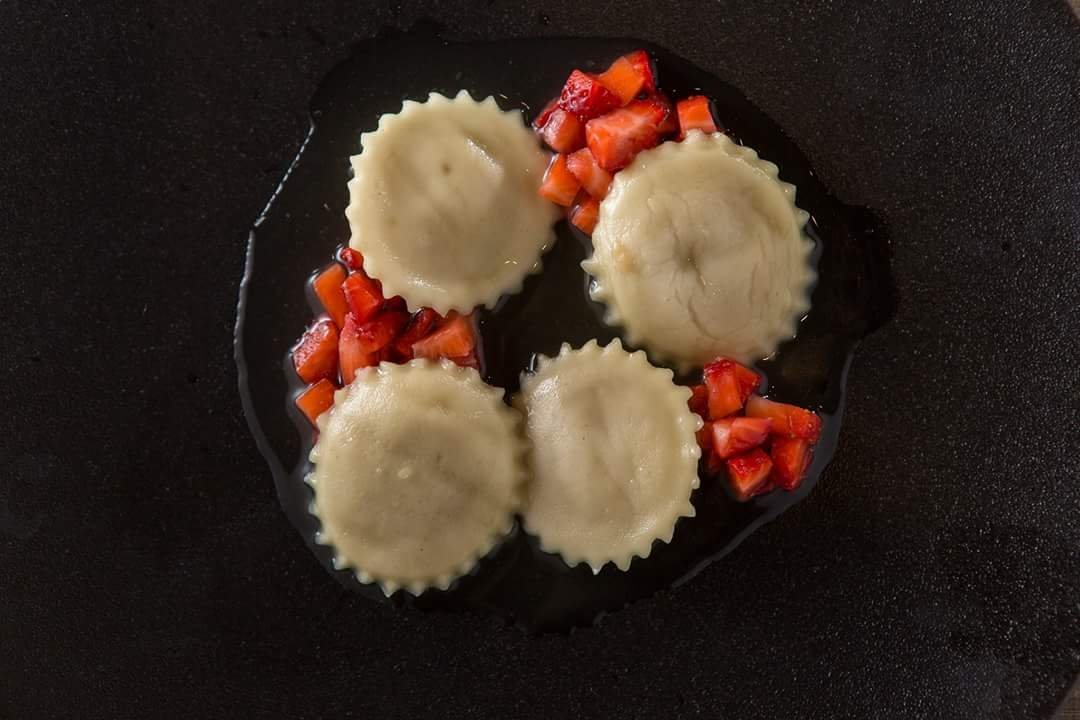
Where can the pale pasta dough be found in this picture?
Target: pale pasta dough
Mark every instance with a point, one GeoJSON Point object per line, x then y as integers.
{"type": "Point", "coordinates": [614, 456]}
{"type": "Point", "coordinates": [418, 471]}
{"type": "Point", "coordinates": [699, 251]}
{"type": "Point", "coordinates": [444, 206]}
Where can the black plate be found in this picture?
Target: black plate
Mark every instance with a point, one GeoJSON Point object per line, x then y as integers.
{"type": "Point", "coordinates": [851, 297]}
{"type": "Point", "coordinates": [146, 569]}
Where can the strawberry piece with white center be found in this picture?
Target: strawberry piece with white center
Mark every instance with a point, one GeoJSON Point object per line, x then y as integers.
{"type": "Point", "coordinates": [595, 179]}
{"type": "Point", "coordinates": [586, 97]}
{"type": "Point", "coordinates": [734, 436]}
{"type": "Point", "coordinates": [563, 132]}
{"type": "Point", "coordinates": [791, 458]}
{"type": "Point", "coordinates": [730, 385]}
{"type": "Point", "coordinates": [748, 474]}
{"type": "Point", "coordinates": [616, 138]}
{"type": "Point", "coordinates": [788, 421]}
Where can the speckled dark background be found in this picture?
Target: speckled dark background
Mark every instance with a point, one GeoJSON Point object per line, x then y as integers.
{"type": "Point", "coordinates": [146, 569]}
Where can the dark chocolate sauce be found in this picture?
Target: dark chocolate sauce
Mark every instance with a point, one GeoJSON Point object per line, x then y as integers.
{"type": "Point", "coordinates": [304, 222]}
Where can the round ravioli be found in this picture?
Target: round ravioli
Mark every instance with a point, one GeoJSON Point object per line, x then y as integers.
{"type": "Point", "coordinates": [417, 473]}
{"type": "Point", "coordinates": [614, 456]}
{"type": "Point", "coordinates": [699, 251]}
{"type": "Point", "coordinates": [444, 205]}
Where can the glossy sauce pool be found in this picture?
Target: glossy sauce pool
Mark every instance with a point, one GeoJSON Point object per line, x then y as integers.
{"type": "Point", "coordinates": [304, 223]}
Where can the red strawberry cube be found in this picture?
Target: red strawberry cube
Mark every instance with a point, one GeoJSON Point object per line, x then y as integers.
{"type": "Point", "coordinates": [734, 436]}
{"type": "Point", "coordinates": [595, 179]}
{"type": "Point", "coordinates": [351, 354]}
{"type": "Point", "coordinates": [559, 184]}
{"type": "Point", "coordinates": [585, 96]}
{"type": "Point", "coordinates": [729, 384]}
{"type": "Point", "coordinates": [748, 474]}
{"type": "Point", "coordinates": [455, 339]}
{"type": "Point", "coordinates": [585, 214]}
{"type": "Point", "coordinates": [541, 120]}
{"type": "Point", "coordinates": [353, 260]}
{"type": "Point", "coordinates": [699, 400]}
{"type": "Point", "coordinates": [327, 286]}
{"type": "Point", "coordinates": [317, 399]}
{"type": "Point", "coordinates": [624, 79]}
{"type": "Point", "coordinates": [363, 296]}
{"type": "Point", "coordinates": [695, 113]}
{"type": "Point", "coordinates": [378, 332]}
{"type": "Point", "coordinates": [421, 324]}
{"type": "Point", "coordinates": [791, 459]}
{"type": "Point", "coordinates": [788, 421]}
{"type": "Point", "coordinates": [315, 357]}
{"type": "Point", "coordinates": [616, 138]}
{"type": "Point", "coordinates": [563, 132]}
{"type": "Point", "coordinates": [644, 67]}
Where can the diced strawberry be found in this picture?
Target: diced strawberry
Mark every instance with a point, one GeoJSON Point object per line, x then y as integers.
{"type": "Point", "coordinates": [705, 439]}
{"type": "Point", "coordinates": [623, 79]}
{"type": "Point", "coordinates": [378, 332]}
{"type": "Point", "coordinates": [327, 286]}
{"type": "Point", "coordinates": [695, 113]}
{"type": "Point", "coordinates": [455, 339]}
{"type": "Point", "coordinates": [421, 324]}
{"type": "Point", "coordinates": [699, 400]}
{"type": "Point", "coordinates": [585, 214]}
{"type": "Point", "coordinates": [541, 120]}
{"type": "Point", "coordinates": [659, 110]}
{"type": "Point", "coordinates": [617, 137]}
{"type": "Point", "coordinates": [363, 296]}
{"type": "Point", "coordinates": [559, 185]}
{"type": "Point", "coordinates": [595, 179]}
{"type": "Point", "coordinates": [644, 67]}
{"type": "Point", "coordinates": [563, 132]}
{"type": "Point", "coordinates": [729, 384]}
{"type": "Point", "coordinates": [733, 436]}
{"type": "Point", "coordinates": [748, 473]}
{"type": "Point", "coordinates": [352, 259]}
{"type": "Point", "coordinates": [787, 420]}
{"type": "Point", "coordinates": [351, 353]}
{"type": "Point", "coordinates": [317, 399]}
{"type": "Point", "coordinates": [395, 304]}
{"type": "Point", "coordinates": [586, 97]}
{"type": "Point", "coordinates": [315, 357]}
{"type": "Point", "coordinates": [791, 459]}
{"type": "Point", "coordinates": [713, 463]}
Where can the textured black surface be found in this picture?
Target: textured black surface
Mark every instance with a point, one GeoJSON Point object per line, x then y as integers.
{"type": "Point", "coordinates": [146, 569]}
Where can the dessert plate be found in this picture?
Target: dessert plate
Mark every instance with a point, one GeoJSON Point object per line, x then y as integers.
{"type": "Point", "coordinates": [304, 223]}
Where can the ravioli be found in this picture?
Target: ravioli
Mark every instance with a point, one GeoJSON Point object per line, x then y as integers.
{"type": "Point", "coordinates": [444, 206]}
{"type": "Point", "coordinates": [613, 454]}
{"type": "Point", "coordinates": [699, 251]}
{"type": "Point", "coordinates": [418, 472]}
